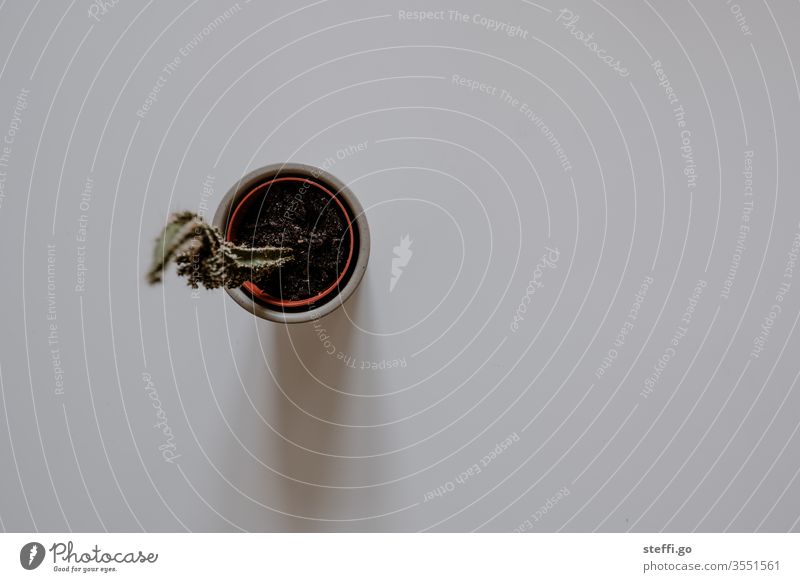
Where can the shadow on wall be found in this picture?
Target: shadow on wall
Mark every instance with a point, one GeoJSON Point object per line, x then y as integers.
{"type": "Point", "coordinates": [308, 400]}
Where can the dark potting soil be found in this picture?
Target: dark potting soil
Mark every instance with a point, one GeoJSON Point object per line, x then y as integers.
{"type": "Point", "coordinates": [302, 217]}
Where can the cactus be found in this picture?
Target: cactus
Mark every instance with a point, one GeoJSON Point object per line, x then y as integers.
{"type": "Point", "coordinates": [205, 258]}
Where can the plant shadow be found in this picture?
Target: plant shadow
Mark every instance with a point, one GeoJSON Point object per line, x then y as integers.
{"type": "Point", "coordinates": [308, 399]}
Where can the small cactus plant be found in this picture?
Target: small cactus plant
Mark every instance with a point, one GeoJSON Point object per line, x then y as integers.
{"type": "Point", "coordinates": [205, 258]}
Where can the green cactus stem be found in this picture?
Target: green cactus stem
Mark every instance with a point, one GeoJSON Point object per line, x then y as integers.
{"type": "Point", "coordinates": [205, 258]}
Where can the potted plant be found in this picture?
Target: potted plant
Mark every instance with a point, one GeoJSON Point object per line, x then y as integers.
{"type": "Point", "coordinates": [289, 242]}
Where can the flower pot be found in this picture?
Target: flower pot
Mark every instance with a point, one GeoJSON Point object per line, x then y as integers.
{"type": "Point", "coordinates": [312, 212]}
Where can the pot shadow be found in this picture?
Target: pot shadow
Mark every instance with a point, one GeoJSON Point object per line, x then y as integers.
{"type": "Point", "coordinates": [302, 364]}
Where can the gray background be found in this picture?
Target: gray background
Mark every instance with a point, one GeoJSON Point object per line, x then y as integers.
{"type": "Point", "coordinates": [272, 432]}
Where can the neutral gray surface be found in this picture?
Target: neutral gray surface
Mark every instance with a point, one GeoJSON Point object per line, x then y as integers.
{"type": "Point", "coordinates": [272, 432]}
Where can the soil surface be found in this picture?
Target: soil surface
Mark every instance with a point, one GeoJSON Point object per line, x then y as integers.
{"type": "Point", "coordinates": [302, 217]}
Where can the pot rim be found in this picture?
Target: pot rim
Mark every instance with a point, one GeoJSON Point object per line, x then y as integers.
{"type": "Point", "coordinates": [357, 220]}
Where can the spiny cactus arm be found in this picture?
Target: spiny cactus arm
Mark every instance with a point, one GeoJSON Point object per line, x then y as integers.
{"type": "Point", "coordinates": [206, 259]}
{"type": "Point", "coordinates": [177, 234]}
{"type": "Point", "coordinates": [231, 265]}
